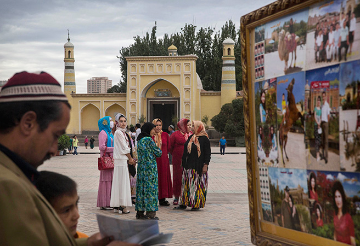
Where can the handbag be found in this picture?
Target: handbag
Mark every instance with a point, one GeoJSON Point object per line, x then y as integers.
{"type": "Point", "coordinates": [105, 162]}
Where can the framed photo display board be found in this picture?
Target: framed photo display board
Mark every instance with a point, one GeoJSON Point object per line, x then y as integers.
{"type": "Point", "coordinates": [301, 83]}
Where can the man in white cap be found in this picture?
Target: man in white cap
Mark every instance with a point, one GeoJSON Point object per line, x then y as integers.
{"type": "Point", "coordinates": [34, 114]}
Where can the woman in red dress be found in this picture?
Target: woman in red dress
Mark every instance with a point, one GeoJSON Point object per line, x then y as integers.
{"type": "Point", "coordinates": [343, 224]}
{"type": "Point", "coordinates": [319, 220]}
{"type": "Point", "coordinates": [177, 141]}
{"type": "Point", "coordinates": [312, 187]}
{"type": "Point", "coordinates": [162, 140]}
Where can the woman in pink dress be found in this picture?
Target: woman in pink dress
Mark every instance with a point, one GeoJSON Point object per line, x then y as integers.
{"type": "Point", "coordinates": [177, 141]}
{"type": "Point", "coordinates": [162, 140]}
{"type": "Point", "coordinates": [106, 145]}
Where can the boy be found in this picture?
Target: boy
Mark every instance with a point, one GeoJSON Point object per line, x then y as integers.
{"type": "Point", "coordinates": [61, 193]}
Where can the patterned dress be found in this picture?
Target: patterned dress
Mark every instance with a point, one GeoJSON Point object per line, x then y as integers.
{"type": "Point", "coordinates": [147, 175]}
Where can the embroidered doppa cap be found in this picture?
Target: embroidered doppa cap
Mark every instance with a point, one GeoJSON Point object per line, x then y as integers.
{"type": "Point", "coordinates": [39, 86]}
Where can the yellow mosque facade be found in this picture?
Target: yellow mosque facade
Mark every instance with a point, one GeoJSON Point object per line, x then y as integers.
{"type": "Point", "coordinates": [165, 87]}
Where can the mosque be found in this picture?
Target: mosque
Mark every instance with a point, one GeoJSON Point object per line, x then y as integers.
{"type": "Point", "coordinates": [165, 87]}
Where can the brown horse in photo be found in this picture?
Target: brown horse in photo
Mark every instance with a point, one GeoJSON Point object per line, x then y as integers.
{"type": "Point", "coordinates": [290, 117]}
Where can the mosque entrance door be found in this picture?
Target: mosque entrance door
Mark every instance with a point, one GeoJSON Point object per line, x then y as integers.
{"type": "Point", "coordinates": [166, 110]}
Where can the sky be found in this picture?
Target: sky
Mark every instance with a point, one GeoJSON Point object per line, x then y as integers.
{"type": "Point", "coordinates": [298, 90]}
{"type": "Point", "coordinates": [33, 33]}
{"type": "Point", "coordinates": [288, 177]}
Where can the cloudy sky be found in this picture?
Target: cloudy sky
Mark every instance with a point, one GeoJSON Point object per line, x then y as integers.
{"type": "Point", "coordinates": [33, 33]}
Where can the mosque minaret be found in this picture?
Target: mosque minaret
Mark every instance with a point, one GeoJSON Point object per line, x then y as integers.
{"type": "Point", "coordinates": [69, 71]}
{"type": "Point", "coordinates": [228, 79]}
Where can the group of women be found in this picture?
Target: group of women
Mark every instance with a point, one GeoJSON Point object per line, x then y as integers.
{"type": "Point", "coordinates": [150, 184]}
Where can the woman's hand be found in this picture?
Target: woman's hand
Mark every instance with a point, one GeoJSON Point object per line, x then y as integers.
{"type": "Point", "coordinates": [205, 169]}
{"type": "Point", "coordinates": [132, 161]}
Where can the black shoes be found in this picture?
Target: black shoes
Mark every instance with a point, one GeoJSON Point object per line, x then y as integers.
{"type": "Point", "coordinates": [164, 203]}
{"type": "Point", "coordinates": [180, 207]}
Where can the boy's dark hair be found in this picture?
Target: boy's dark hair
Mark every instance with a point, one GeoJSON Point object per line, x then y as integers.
{"type": "Point", "coordinates": [132, 129]}
{"type": "Point", "coordinates": [53, 185]}
{"type": "Point", "coordinates": [138, 125]}
{"type": "Point", "coordinates": [46, 112]}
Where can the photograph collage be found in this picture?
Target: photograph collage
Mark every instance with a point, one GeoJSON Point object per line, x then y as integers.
{"type": "Point", "coordinates": [307, 112]}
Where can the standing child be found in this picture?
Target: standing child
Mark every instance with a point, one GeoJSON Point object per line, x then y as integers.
{"type": "Point", "coordinates": [71, 146]}
{"type": "Point", "coordinates": [75, 144]}
{"type": "Point", "coordinates": [86, 141]}
{"type": "Point", "coordinates": [223, 144]}
{"type": "Point", "coordinates": [92, 140]}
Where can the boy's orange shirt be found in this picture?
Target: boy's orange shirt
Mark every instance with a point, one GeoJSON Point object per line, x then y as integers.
{"type": "Point", "coordinates": [80, 235]}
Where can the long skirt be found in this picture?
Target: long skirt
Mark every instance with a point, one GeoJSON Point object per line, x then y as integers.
{"type": "Point", "coordinates": [194, 189]}
{"type": "Point", "coordinates": [120, 189]}
{"type": "Point", "coordinates": [104, 192]}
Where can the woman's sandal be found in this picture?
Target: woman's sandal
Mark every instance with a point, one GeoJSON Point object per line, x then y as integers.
{"type": "Point", "coordinates": [180, 207]}
{"type": "Point", "coordinates": [122, 210]}
{"type": "Point", "coordinates": [175, 202]}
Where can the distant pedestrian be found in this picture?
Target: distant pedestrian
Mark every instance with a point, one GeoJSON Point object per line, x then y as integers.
{"type": "Point", "coordinates": [177, 141]}
{"type": "Point", "coordinates": [147, 175]}
{"type": "Point", "coordinates": [195, 162]}
{"type": "Point", "coordinates": [223, 145]}
{"type": "Point", "coordinates": [75, 144]}
{"type": "Point", "coordinates": [70, 146]}
{"type": "Point", "coordinates": [92, 140]}
{"type": "Point", "coordinates": [86, 141]}
{"type": "Point", "coordinates": [137, 132]}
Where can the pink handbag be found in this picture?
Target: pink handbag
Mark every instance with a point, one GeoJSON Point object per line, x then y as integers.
{"type": "Point", "coordinates": [105, 162]}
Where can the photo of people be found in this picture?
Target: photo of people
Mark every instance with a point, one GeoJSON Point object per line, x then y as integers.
{"type": "Point", "coordinates": [349, 116]}
{"type": "Point", "coordinates": [322, 118]}
{"type": "Point", "coordinates": [285, 39]}
{"type": "Point", "coordinates": [334, 214]}
{"type": "Point", "coordinates": [289, 198]}
{"type": "Point", "coordinates": [290, 118]}
{"type": "Point", "coordinates": [266, 211]}
{"type": "Point", "coordinates": [259, 33]}
{"type": "Point", "coordinates": [331, 35]}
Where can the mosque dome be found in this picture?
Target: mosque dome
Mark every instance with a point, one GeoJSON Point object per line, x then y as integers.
{"type": "Point", "coordinates": [307, 87]}
{"type": "Point", "coordinates": [172, 47]}
{"type": "Point", "coordinates": [229, 41]}
{"type": "Point", "coordinates": [68, 44]}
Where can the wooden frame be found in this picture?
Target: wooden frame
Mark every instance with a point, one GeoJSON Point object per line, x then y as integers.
{"type": "Point", "coordinates": [264, 233]}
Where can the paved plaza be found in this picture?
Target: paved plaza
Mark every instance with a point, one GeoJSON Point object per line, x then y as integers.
{"type": "Point", "coordinates": [223, 221]}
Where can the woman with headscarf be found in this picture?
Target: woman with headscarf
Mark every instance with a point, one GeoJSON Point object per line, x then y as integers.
{"type": "Point", "coordinates": [147, 174]}
{"type": "Point", "coordinates": [120, 190]}
{"type": "Point", "coordinates": [195, 161]}
{"type": "Point", "coordinates": [106, 145]}
{"type": "Point", "coordinates": [177, 141]}
{"type": "Point", "coordinates": [162, 140]}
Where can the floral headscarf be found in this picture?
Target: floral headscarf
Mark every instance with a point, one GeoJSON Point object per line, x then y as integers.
{"type": "Point", "coordinates": [104, 125]}
{"type": "Point", "coordinates": [199, 130]}
{"type": "Point", "coordinates": [182, 126]}
{"type": "Point", "coordinates": [157, 136]}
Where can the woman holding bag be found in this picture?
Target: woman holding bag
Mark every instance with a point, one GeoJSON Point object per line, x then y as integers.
{"type": "Point", "coordinates": [106, 147]}
{"type": "Point", "coordinates": [120, 190]}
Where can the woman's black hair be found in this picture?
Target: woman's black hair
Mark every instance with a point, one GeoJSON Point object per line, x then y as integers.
{"type": "Point", "coordinates": [311, 176]}
{"type": "Point", "coordinates": [54, 185]}
{"type": "Point", "coordinates": [264, 104]}
{"type": "Point", "coordinates": [339, 187]}
{"type": "Point", "coordinates": [132, 129]}
{"type": "Point", "coordinates": [145, 130]}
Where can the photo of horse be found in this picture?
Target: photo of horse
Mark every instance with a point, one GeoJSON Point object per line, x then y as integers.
{"type": "Point", "coordinates": [285, 41]}
{"type": "Point", "coordinates": [350, 116]}
{"type": "Point", "coordinates": [290, 118]}
{"type": "Point", "coordinates": [322, 118]}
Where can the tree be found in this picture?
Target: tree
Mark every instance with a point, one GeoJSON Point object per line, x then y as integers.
{"type": "Point", "coordinates": [119, 88]}
{"type": "Point", "coordinates": [230, 119]}
{"type": "Point", "coordinates": [204, 42]}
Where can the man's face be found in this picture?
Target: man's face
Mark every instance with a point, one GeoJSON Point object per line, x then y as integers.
{"type": "Point", "coordinates": [324, 97]}
{"type": "Point", "coordinates": [66, 207]}
{"type": "Point", "coordinates": [286, 194]}
{"type": "Point", "coordinates": [45, 143]}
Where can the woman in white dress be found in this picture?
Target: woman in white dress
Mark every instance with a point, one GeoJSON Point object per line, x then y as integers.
{"type": "Point", "coordinates": [120, 189]}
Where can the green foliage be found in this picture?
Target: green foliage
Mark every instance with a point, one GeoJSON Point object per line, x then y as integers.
{"type": "Point", "coordinates": [205, 121]}
{"type": "Point", "coordinates": [230, 119]}
{"type": "Point", "coordinates": [63, 142]}
{"type": "Point", "coordinates": [310, 124]}
{"type": "Point", "coordinates": [326, 231]}
{"type": "Point", "coordinates": [334, 127]}
{"type": "Point", "coordinates": [142, 119]}
{"type": "Point", "coordinates": [204, 42]}
{"type": "Point", "coordinates": [304, 216]}
{"type": "Point", "coordinates": [119, 88]}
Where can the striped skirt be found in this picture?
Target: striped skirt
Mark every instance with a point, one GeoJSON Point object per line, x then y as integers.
{"type": "Point", "coordinates": [193, 189]}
